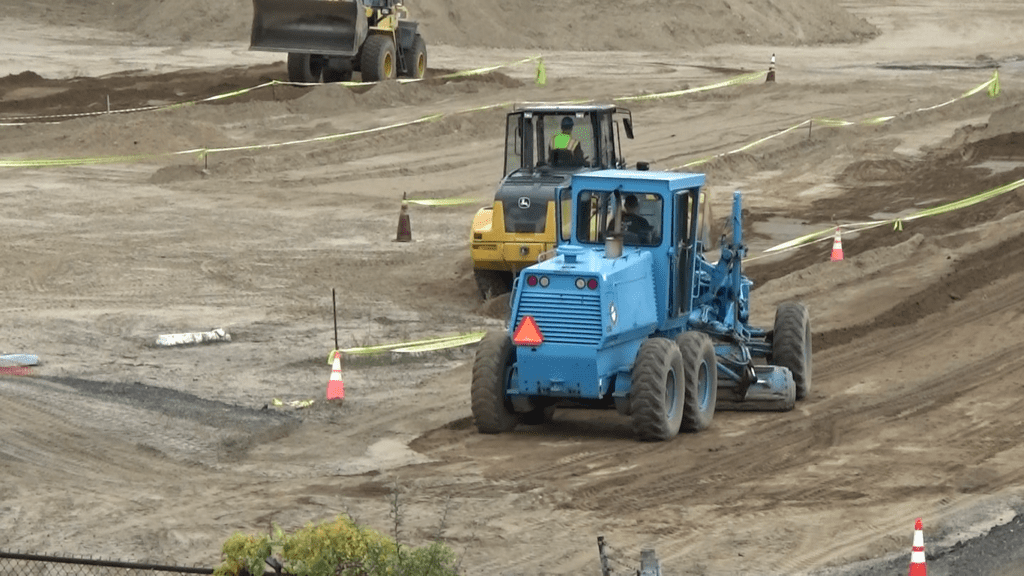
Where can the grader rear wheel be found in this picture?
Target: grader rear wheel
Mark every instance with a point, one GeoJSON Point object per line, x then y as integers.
{"type": "Point", "coordinates": [492, 371]}
{"type": "Point", "coordinates": [656, 399]}
{"type": "Point", "coordinates": [701, 388]}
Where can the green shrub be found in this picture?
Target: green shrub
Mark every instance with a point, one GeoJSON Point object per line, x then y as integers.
{"type": "Point", "coordinates": [244, 552]}
{"type": "Point", "coordinates": [335, 547]}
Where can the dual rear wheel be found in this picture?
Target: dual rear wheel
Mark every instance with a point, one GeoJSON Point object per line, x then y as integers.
{"type": "Point", "coordinates": [675, 386]}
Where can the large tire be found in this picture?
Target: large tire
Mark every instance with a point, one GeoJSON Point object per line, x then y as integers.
{"type": "Point", "coordinates": [656, 398]}
{"type": "Point", "coordinates": [338, 70]}
{"type": "Point", "coordinates": [416, 59]}
{"type": "Point", "coordinates": [700, 367]}
{"type": "Point", "coordinates": [378, 59]}
{"type": "Point", "coordinates": [791, 344]}
{"type": "Point", "coordinates": [492, 370]}
{"type": "Point", "coordinates": [306, 68]}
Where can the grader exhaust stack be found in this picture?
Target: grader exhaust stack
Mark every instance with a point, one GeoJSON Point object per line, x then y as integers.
{"type": "Point", "coordinates": [327, 27]}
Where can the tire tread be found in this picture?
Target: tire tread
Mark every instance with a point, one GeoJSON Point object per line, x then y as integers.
{"type": "Point", "coordinates": [491, 411]}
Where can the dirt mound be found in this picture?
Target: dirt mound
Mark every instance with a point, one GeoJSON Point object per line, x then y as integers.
{"type": "Point", "coordinates": [560, 24]}
{"type": "Point", "coordinates": [972, 161]}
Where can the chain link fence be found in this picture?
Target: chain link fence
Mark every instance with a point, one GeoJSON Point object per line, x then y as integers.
{"type": "Point", "coordinates": [17, 564]}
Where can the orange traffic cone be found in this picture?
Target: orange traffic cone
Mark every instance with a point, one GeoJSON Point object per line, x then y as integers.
{"type": "Point", "coordinates": [837, 247]}
{"type": "Point", "coordinates": [335, 387]}
{"type": "Point", "coordinates": [404, 226]}
{"type": "Point", "coordinates": [917, 565]}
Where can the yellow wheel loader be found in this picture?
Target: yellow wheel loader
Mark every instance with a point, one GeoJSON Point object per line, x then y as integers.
{"type": "Point", "coordinates": [328, 40]}
{"type": "Point", "coordinates": [544, 146]}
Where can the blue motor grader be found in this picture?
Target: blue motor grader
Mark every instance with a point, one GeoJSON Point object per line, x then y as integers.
{"type": "Point", "coordinates": [630, 314]}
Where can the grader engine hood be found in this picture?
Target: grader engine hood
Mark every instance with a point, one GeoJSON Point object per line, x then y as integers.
{"type": "Point", "coordinates": [581, 314]}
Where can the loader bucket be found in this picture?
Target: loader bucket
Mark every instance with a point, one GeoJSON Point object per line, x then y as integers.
{"type": "Point", "coordinates": [327, 27]}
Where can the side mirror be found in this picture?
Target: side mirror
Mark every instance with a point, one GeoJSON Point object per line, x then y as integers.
{"type": "Point", "coordinates": [628, 124]}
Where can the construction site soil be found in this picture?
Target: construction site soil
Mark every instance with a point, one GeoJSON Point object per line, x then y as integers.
{"type": "Point", "coordinates": [245, 212]}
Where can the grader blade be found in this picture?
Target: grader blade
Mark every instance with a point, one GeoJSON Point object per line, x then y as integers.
{"type": "Point", "coordinates": [326, 27]}
{"type": "Point", "coordinates": [773, 391]}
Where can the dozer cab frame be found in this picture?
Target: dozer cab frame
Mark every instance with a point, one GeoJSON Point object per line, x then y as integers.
{"type": "Point", "coordinates": [328, 40]}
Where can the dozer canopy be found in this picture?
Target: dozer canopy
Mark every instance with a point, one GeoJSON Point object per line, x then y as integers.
{"type": "Point", "coordinates": [327, 27]}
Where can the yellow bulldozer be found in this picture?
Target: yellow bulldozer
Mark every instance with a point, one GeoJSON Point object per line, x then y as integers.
{"type": "Point", "coordinates": [329, 40]}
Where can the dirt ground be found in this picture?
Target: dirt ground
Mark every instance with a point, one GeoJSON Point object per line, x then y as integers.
{"type": "Point", "coordinates": [120, 448]}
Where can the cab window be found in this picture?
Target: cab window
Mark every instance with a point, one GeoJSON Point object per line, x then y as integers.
{"type": "Point", "coordinates": [640, 216]}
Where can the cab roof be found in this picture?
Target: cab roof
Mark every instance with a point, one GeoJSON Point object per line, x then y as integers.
{"type": "Point", "coordinates": [608, 179]}
{"type": "Point", "coordinates": [540, 108]}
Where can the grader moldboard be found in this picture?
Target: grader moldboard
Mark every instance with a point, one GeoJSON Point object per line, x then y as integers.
{"type": "Point", "coordinates": [638, 319]}
{"type": "Point", "coordinates": [328, 40]}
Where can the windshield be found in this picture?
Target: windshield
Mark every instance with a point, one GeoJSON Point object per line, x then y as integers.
{"type": "Point", "coordinates": [560, 140]}
{"type": "Point", "coordinates": [640, 215]}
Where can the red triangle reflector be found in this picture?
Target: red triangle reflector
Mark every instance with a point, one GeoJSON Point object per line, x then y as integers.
{"type": "Point", "coordinates": [528, 334]}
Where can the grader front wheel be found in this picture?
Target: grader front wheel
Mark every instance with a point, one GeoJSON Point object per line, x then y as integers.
{"type": "Point", "coordinates": [791, 344]}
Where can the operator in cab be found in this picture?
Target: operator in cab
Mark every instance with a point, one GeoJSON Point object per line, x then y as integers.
{"type": "Point", "coordinates": [566, 150]}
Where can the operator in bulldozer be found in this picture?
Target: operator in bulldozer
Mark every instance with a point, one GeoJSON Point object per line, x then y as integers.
{"type": "Point", "coordinates": [566, 150]}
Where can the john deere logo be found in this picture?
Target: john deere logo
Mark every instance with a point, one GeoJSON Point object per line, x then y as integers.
{"type": "Point", "coordinates": [524, 202]}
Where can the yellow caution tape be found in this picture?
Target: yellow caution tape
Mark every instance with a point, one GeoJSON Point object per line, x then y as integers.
{"type": "Point", "coordinates": [742, 148]}
{"type": "Point", "coordinates": [993, 87]}
{"type": "Point", "coordinates": [490, 68]}
{"type": "Point", "coordinates": [202, 152]}
{"type": "Point", "coordinates": [441, 345]}
{"type": "Point", "coordinates": [992, 84]}
{"type": "Point", "coordinates": [148, 108]}
{"type": "Point", "coordinates": [441, 201]}
{"type": "Point", "coordinates": [41, 163]}
{"type": "Point", "coordinates": [732, 81]}
{"type": "Point", "coordinates": [293, 403]}
{"type": "Point", "coordinates": [9, 121]}
{"type": "Point", "coordinates": [897, 223]}
{"type": "Point", "coordinates": [419, 345]}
